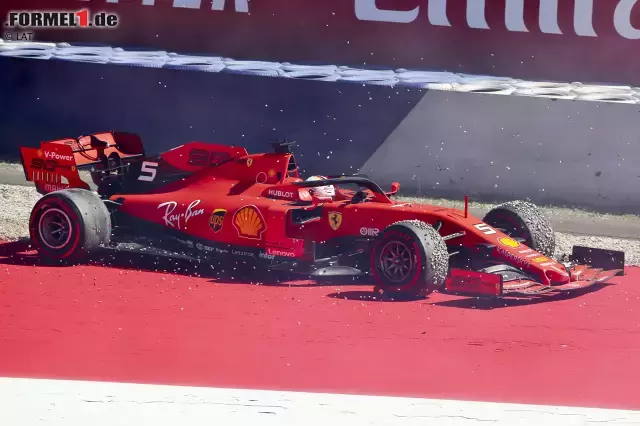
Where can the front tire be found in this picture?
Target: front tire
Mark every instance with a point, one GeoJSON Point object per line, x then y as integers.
{"type": "Point", "coordinates": [409, 260]}
{"type": "Point", "coordinates": [65, 226]}
{"type": "Point", "coordinates": [525, 220]}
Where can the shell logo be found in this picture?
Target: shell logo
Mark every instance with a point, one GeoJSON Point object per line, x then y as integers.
{"type": "Point", "coordinates": [541, 259]}
{"type": "Point", "coordinates": [39, 153]}
{"type": "Point", "coordinates": [271, 173]}
{"type": "Point", "coordinates": [249, 222]}
{"type": "Point", "coordinates": [509, 242]}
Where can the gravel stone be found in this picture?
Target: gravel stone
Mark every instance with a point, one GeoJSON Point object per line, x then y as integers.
{"type": "Point", "coordinates": [16, 203]}
{"type": "Point", "coordinates": [631, 248]}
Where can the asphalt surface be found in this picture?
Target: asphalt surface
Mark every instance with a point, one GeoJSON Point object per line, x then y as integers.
{"type": "Point", "coordinates": [563, 220]}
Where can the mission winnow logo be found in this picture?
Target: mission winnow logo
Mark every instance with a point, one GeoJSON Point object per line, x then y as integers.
{"type": "Point", "coordinates": [60, 19]}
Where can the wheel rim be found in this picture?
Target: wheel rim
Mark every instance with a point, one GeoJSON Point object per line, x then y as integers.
{"type": "Point", "coordinates": [396, 261]}
{"type": "Point", "coordinates": [54, 228]}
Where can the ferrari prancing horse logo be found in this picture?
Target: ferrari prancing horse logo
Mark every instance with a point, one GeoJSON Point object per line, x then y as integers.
{"type": "Point", "coordinates": [335, 220]}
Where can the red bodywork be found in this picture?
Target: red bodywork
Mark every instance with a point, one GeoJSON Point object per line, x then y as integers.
{"type": "Point", "coordinates": [234, 199]}
{"type": "Point", "coordinates": [249, 202]}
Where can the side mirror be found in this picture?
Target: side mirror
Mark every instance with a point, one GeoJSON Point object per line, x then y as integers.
{"type": "Point", "coordinates": [395, 187]}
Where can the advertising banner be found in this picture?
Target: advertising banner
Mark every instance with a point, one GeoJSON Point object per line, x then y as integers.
{"type": "Point", "coordinates": [568, 40]}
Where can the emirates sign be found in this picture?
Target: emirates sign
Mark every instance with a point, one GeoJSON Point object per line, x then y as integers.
{"type": "Point", "coordinates": [565, 40]}
{"type": "Point", "coordinates": [436, 10]}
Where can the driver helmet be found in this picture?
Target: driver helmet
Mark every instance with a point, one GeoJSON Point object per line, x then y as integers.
{"type": "Point", "coordinates": [322, 191]}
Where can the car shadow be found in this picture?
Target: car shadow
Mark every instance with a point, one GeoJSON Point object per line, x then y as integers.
{"type": "Point", "coordinates": [22, 253]}
{"type": "Point", "coordinates": [489, 304]}
{"type": "Point", "coordinates": [372, 296]}
{"type": "Point", "coordinates": [467, 302]}
{"type": "Point", "coordinates": [13, 253]}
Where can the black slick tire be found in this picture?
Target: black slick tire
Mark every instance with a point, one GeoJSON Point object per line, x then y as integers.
{"type": "Point", "coordinates": [524, 220]}
{"type": "Point", "coordinates": [65, 226]}
{"type": "Point", "coordinates": [409, 260]}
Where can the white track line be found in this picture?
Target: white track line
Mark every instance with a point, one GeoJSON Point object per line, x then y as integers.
{"type": "Point", "coordinates": [27, 402]}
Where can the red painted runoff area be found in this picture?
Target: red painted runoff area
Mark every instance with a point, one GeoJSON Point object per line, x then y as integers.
{"type": "Point", "coordinates": [119, 323]}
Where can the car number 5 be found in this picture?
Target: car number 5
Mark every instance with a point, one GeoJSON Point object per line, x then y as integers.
{"type": "Point", "coordinates": [149, 170]}
{"type": "Point", "coordinates": [485, 229]}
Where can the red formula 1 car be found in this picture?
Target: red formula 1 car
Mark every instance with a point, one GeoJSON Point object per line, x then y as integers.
{"type": "Point", "coordinates": [218, 202]}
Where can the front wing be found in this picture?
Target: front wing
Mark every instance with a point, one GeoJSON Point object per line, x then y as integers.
{"type": "Point", "coordinates": [596, 266]}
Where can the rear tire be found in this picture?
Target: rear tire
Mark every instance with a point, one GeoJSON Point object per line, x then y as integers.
{"type": "Point", "coordinates": [65, 226]}
{"type": "Point", "coordinates": [409, 260]}
{"type": "Point", "coordinates": [525, 220]}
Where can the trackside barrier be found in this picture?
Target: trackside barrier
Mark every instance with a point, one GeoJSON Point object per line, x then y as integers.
{"type": "Point", "coordinates": [384, 77]}
{"type": "Point", "coordinates": [438, 133]}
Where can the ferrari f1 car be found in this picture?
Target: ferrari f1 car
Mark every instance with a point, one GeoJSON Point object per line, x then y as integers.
{"type": "Point", "coordinates": [216, 202]}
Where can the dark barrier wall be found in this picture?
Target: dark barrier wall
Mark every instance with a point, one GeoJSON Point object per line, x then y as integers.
{"type": "Point", "coordinates": [337, 126]}
{"type": "Point", "coordinates": [567, 40]}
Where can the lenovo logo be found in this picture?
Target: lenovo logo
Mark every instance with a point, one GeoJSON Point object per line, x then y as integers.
{"type": "Point", "coordinates": [240, 5]}
{"type": "Point", "coordinates": [281, 253]}
{"type": "Point", "coordinates": [514, 17]}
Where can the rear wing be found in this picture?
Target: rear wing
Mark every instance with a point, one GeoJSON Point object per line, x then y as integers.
{"type": "Point", "coordinates": [54, 165]}
{"type": "Point", "coordinates": [51, 167]}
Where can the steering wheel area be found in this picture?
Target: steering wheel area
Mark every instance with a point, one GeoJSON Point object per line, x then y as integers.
{"type": "Point", "coordinates": [361, 196]}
